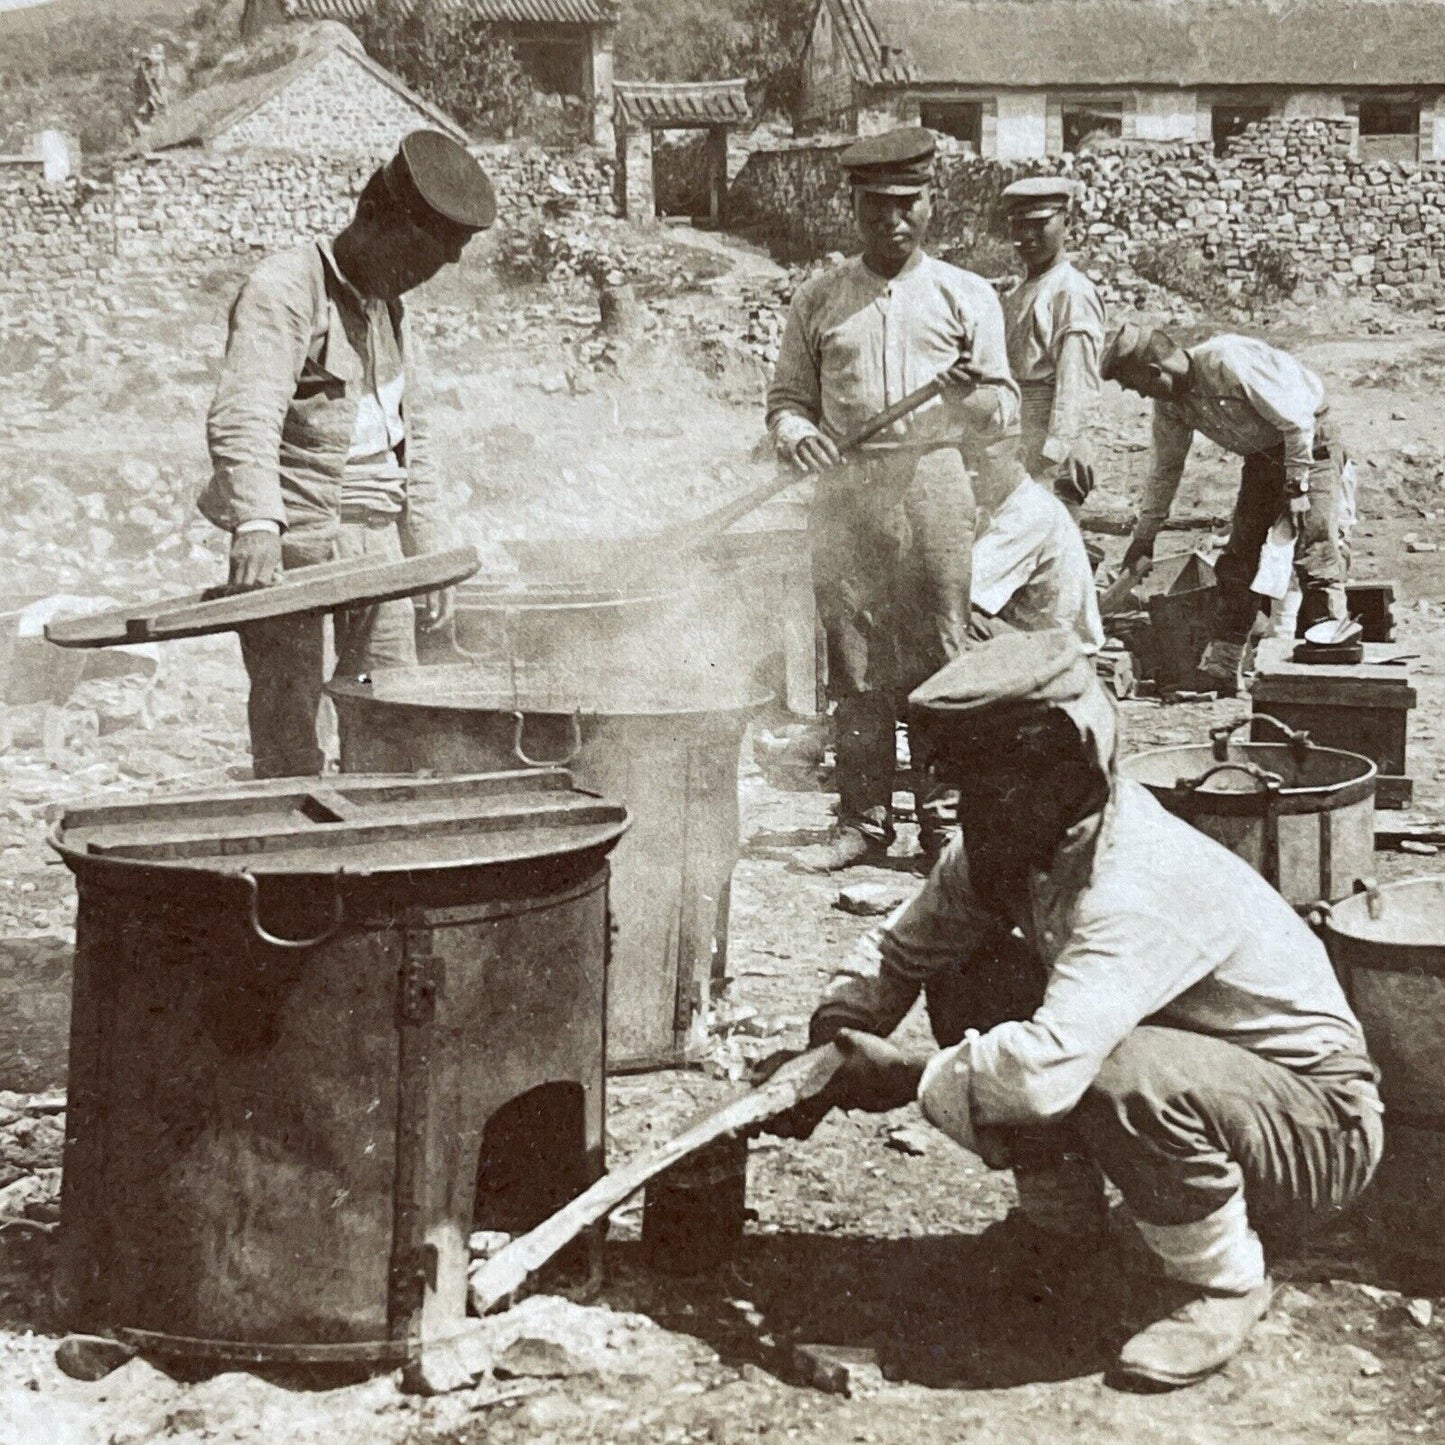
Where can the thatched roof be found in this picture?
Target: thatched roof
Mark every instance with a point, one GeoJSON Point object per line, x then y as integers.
{"type": "Point", "coordinates": [999, 44]}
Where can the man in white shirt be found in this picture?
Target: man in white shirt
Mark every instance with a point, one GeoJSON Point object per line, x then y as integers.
{"type": "Point", "coordinates": [1055, 327]}
{"type": "Point", "coordinates": [1263, 405]}
{"type": "Point", "coordinates": [890, 525]}
{"type": "Point", "coordinates": [1030, 569]}
{"type": "Point", "coordinates": [1114, 994]}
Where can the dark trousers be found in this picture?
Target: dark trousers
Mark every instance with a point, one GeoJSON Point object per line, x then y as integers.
{"type": "Point", "coordinates": [1181, 1121]}
{"type": "Point", "coordinates": [286, 657]}
{"type": "Point", "coordinates": [892, 540]}
{"type": "Point", "coordinates": [1318, 562]}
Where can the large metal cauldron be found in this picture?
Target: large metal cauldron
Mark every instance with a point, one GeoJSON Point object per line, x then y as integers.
{"type": "Point", "coordinates": [322, 1029]}
{"type": "Point", "coordinates": [710, 626]}
{"type": "Point", "coordinates": [561, 624]}
{"type": "Point", "coordinates": [1388, 947]}
{"type": "Point", "coordinates": [1301, 815]}
{"type": "Point", "coordinates": [666, 745]}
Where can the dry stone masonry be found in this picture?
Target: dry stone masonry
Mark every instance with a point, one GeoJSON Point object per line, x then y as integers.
{"type": "Point", "coordinates": [1287, 202]}
{"type": "Point", "coordinates": [71, 246]}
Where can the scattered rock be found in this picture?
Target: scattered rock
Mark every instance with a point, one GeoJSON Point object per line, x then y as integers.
{"type": "Point", "coordinates": [849, 1370]}
{"type": "Point", "coordinates": [910, 1139]}
{"type": "Point", "coordinates": [529, 1357]}
{"type": "Point", "coordinates": [1366, 1363]}
{"type": "Point", "coordinates": [1422, 546]}
{"type": "Point", "coordinates": [91, 1357]}
{"type": "Point", "coordinates": [1421, 1312]}
{"type": "Point", "coordinates": [1425, 850]}
{"type": "Point", "coordinates": [545, 1337]}
{"type": "Point", "coordinates": [870, 900]}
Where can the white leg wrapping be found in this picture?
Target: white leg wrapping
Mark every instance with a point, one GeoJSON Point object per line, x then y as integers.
{"type": "Point", "coordinates": [1220, 1252]}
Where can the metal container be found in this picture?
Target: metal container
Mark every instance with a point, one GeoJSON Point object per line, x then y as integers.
{"type": "Point", "coordinates": [1388, 947]}
{"type": "Point", "coordinates": [1179, 593]}
{"type": "Point", "coordinates": [667, 745]}
{"type": "Point", "coordinates": [747, 613]}
{"type": "Point", "coordinates": [694, 1215]}
{"type": "Point", "coordinates": [559, 624]}
{"type": "Point", "coordinates": [1301, 815]}
{"type": "Point", "coordinates": [322, 1029]}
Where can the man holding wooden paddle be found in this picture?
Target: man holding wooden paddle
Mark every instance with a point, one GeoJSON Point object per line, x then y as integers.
{"type": "Point", "coordinates": [317, 437]}
{"type": "Point", "coordinates": [1113, 994]}
{"type": "Point", "coordinates": [891, 521]}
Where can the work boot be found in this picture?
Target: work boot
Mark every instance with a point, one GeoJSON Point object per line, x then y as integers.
{"type": "Point", "coordinates": [1192, 1342]}
{"type": "Point", "coordinates": [845, 849]}
{"type": "Point", "coordinates": [1222, 667]}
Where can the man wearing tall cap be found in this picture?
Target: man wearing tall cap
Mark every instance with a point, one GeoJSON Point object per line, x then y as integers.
{"type": "Point", "coordinates": [1055, 327]}
{"type": "Point", "coordinates": [1262, 404]}
{"type": "Point", "coordinates": [891, 524]}
{"type": "Point", "coordinates": [1115, 996]}
{"type": "Point", "coordinates": [317, 432]}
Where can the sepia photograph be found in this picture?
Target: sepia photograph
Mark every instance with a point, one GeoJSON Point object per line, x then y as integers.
{"type": "Point", "coordinates": [718, 722]}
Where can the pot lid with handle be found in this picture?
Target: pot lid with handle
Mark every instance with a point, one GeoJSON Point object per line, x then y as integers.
{"type": "Point", "coordinates": [326, 587]}
{"type": "Point", "coordinates": [359, 824]}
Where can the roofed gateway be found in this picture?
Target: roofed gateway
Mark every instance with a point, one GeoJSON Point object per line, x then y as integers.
{"type": "Point", "coordinates": [1019, 78]}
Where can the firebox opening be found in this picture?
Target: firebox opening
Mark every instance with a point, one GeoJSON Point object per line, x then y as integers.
{"type": "Point", "coordinates": [533, 1158]}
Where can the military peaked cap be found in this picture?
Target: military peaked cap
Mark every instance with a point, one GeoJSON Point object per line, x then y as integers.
{"type": "Point", "coordinates": [439, 180]}
{"type": "Point", "coordinates": [898, 163]}
{"type": "Point", "coordinates": [1039, 196]}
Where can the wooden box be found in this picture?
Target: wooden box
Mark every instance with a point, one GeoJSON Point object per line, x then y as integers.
{"type": "Point", "coordinates": [1362, 709]}
{"type": "Point", "coordinates": [1372, 605]}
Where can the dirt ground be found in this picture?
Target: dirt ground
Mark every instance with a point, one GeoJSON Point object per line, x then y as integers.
{"type": "Point", "coordinates": [865, 1236]}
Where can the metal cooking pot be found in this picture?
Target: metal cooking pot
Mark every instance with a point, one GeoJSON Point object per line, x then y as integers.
{"type": "Point", "coordinates": [1301, 815]}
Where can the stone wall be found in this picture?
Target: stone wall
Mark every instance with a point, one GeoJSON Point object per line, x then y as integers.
{"type": "Point", "coordinates": [1285, 189]}
{"type": "Point", "coordinates": [68, 245]}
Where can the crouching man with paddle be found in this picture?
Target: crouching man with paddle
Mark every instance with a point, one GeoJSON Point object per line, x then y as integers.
{"type": "Point", "coordinates": [1113, 995]}
{"type": "Point", "coordinates": [891, 522]}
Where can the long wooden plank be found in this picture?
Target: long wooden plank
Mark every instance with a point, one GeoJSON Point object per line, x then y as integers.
{"type": "Point", "coordinates": [504, 1274]}
{"type": "Point", "coordinates": [306, 590]}
{"type": "Point", "coordinates": [109, 629]}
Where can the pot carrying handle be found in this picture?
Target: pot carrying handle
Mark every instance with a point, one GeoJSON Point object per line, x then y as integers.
{"type": "Point", "coordinates": [519, 728]}
{"type": "Point", "coordinates": [1323, 912]}
{"type": "Point", "coordinates": [1299, 742]}
{"type": "Point", "coordinates": [1270, 782]}
{"type": "Point", "coordinates": [338, 913]}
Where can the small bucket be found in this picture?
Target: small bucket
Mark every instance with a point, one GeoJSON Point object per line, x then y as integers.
{"type": "Point", "coordinates": [693, 1215]}
{"type": "Point", "coordinates": [1181, 603]}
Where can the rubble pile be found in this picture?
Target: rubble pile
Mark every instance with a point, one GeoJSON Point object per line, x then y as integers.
{"type": "Point", "coordinates": [138, 524]}
{"type": "Point", "coordinates": [564, 249]}
{"type": "Point", "coordinates": [32, 1138]}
